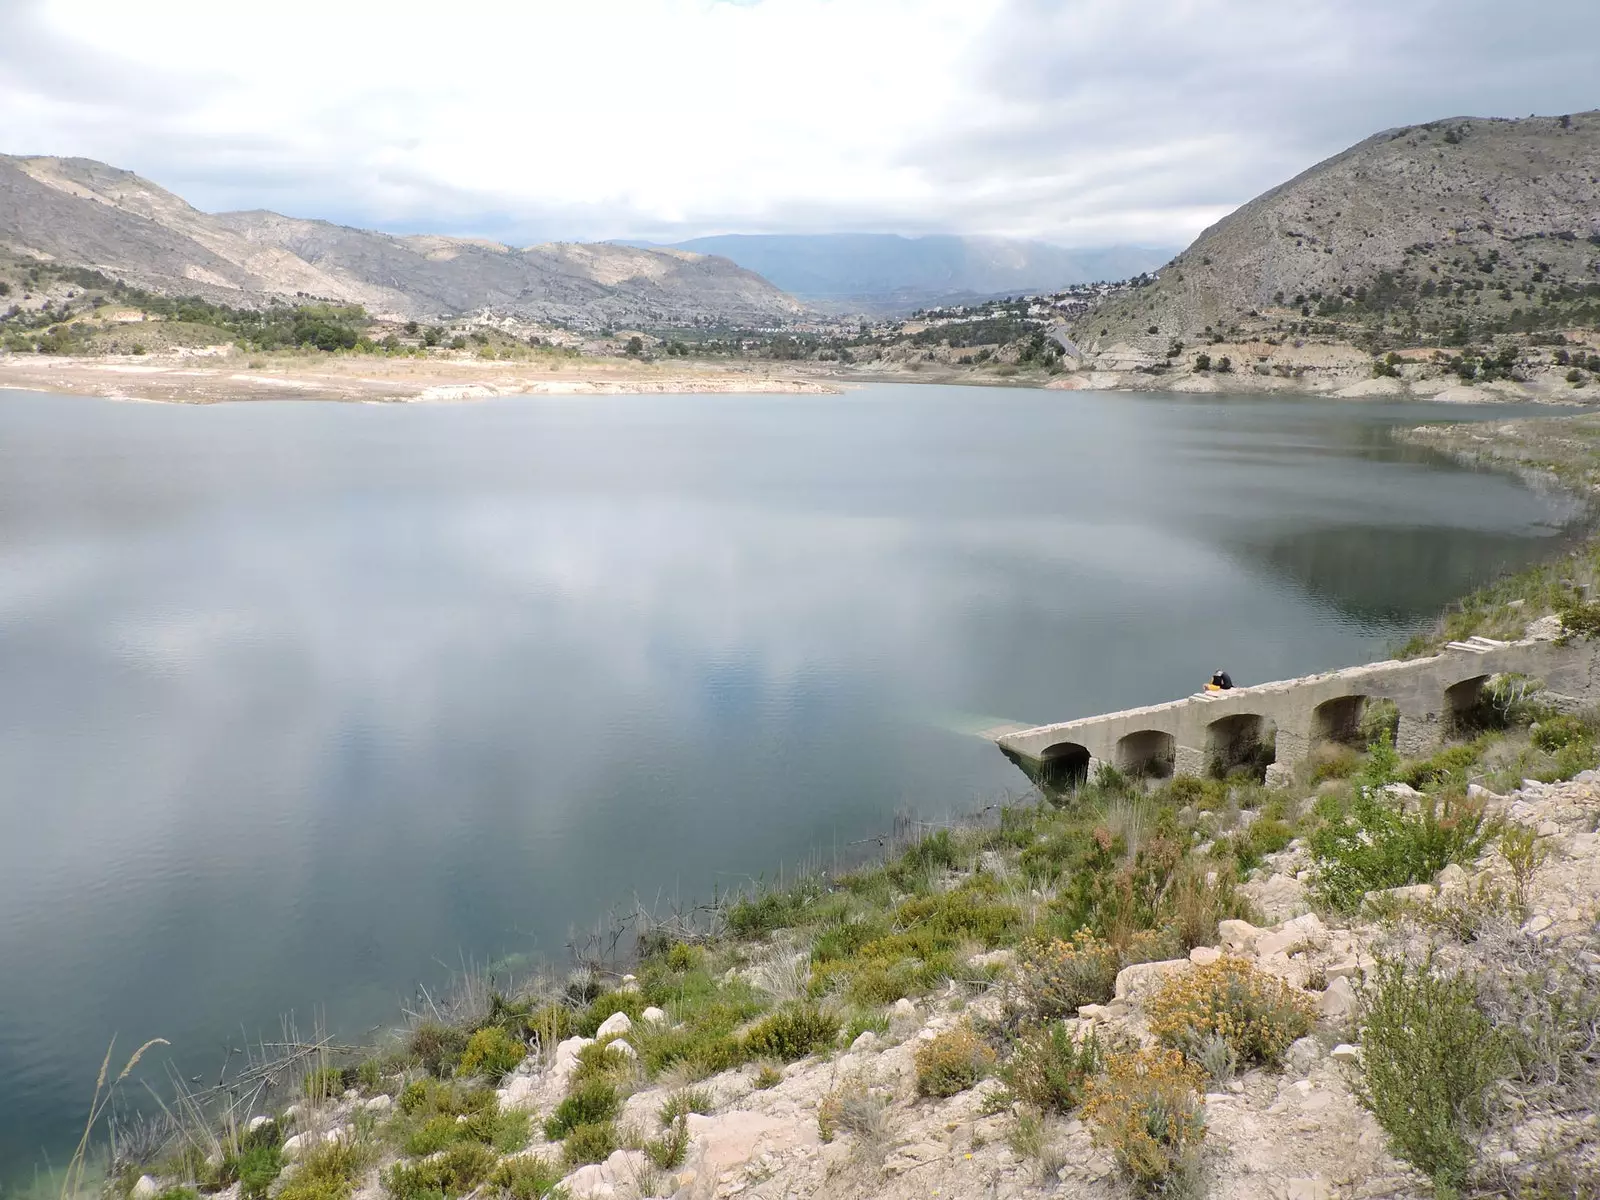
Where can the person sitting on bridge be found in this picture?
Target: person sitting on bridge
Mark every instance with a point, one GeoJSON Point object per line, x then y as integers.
{"type": "Point", "coordinates": [1221, 681]}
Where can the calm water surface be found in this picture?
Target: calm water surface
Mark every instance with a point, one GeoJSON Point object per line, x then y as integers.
{"type": "Point", "coordinates": [298, 701]}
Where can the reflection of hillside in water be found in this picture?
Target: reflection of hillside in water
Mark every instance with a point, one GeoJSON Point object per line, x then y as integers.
{"type": "Point", "coordinates": [1397, 576]}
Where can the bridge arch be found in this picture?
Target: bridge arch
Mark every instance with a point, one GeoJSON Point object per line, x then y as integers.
{"type": "Point", "coordinates": [1247, 740]}
{"type": "Point", "coordinates": [1149, 753]}
{"type": "Point", "coordinates": [1462, 704]}
{"type": "Point", "coordinates": [1065, 765]}
{"type": "Point", "coordinates": [1338, 720]}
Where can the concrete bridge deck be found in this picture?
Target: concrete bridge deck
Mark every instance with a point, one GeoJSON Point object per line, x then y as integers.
{"type": "Point", "coordinates": [1284, 721]}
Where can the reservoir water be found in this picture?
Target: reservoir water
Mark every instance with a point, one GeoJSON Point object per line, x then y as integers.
{"type": "Point", "coordinates": [301, 702]}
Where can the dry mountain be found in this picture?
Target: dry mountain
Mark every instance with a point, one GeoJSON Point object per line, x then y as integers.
{"type": "Point", "coordinates": [86, 213]}
{"type": "Point", "coordinates": [1465, 224]}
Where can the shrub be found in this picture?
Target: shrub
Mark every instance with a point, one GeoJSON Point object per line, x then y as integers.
{"type": "Point", "coordinates": [456, 1172]}
{"type": "Point", "coordinates": [952, 1062]}
{"type": "Point", "coordinates": [1056, 977]}
{"type": "Point", "coordinates": [1148, 1111]}
{"type": "Point", "coordinates": [526, 1178]}
{"type": "Point", "coordinates": [589, 1144]}
{"type": "Point", "coordinates": [1256, 1013]}
{"type": "Point", "coordinates": [328, 1171]}
{"type": "Point", "coordinates": [670, 1149]}
{"type": "Point", "coordinates": [685, 1101]}
{"type": "Point", "coordinates": [767, 1077]}
{"type": "Point", "coordinates": [591, 1102]}
{"type": "Point", "coordinates": [791, 1033]}
{"type": "Point", "coordinates": [492, 1052]}
{"type": "Point", "coordinates": [1428, 1059]}
{"type": "Point", "coordinates": [852, 1108]}
{"type": "Point", "coordinates": [1378, 845]}
{"type": "Point", "coordinates": [259, 1167]}
{"type": "Point", "coordinates": [1557, 733]}
{"type": "Point", "coordinates": [1050, 1068]}
{"type": "Point", "coordinates": [437, 1046]}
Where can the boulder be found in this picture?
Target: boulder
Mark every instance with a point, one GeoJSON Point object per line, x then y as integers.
{"type": "Point", "coordinates": [865, 1041]}
{"type": "Point", "coordinates": [294, 1147]}
{"type": "Point", "coordinates": [567, 1056]}
{"type": "Point", "coordinates": [255, 1123]}
{"type": "Point", "coordinates": [1204, 956]}
{"type": "Point", "coordinates": [902, 1008]}
{"type": "Point", "coordinates": [653, 1016]}
{"type": "Point", "coordinates": [1303, 931]}
{"type": "Point", "coordinates": [517, 1093]}
{"type": "Point", "coordinates": [1303, 1054]}
{"type": "Point", "coordinates": [1237, 936]}
{"type": "Point", "coordinates": [1143, 978]}
{"type": "Point", "coordinates": [378, 1104]}
{"type": "Point", "coordinates": [1278, 896]}
{"type": "Point", "coordinates": [614, 1025]}
{"type": "Point", "coordinates": [1338, 1002]}
{"type": "Point", "coordinates": [1454, 875]}
{"type": "Point", "coordinates": [1344, 1052]}
{"type": "Point", "coordinates": [146, 1189]}
{"type": "Point", "coordinates": [621, 1047]}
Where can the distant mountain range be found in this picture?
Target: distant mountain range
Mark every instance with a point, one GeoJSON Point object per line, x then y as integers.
{"type": "Point", "coordinates": [85, 213]}
{"type": "Point", "coordinates": [887, 271]}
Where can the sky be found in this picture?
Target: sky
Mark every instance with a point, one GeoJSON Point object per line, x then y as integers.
{"type": "Point", "coordinates": [1081, 122]}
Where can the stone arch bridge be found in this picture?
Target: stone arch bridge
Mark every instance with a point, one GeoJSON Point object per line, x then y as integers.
{"type": "Point", "coordinates": [1283, 722]}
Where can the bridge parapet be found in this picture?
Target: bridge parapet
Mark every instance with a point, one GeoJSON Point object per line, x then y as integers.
{"type": "Point", "coordinates": [1292, 716]}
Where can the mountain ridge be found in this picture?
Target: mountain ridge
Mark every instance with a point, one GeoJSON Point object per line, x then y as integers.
{"type": "Point", "coordinates": [1453, 222]}
{"type": "Point", "coordinates": [87, 213]}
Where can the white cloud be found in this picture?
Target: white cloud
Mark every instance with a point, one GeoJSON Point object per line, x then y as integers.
{"type": "Point", "coordinates": [1086, 121]}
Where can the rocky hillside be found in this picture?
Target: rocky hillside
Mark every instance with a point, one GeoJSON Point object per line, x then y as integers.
{"type": "Point", "coordinates": [1464, 227]}
{"type": "Point", "coordinates": [1381, 979]}
{"type": "Point", "coordinates": [86, 213]}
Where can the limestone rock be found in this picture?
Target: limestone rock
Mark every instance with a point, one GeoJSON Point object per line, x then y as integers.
{"type": "Point", "coordinates": [1314, 1188]}
{"type": "Point", "coordinates": [864, 1041]}
{"type": "Point", "coordinates": [1142, 978]}
{"type": "Point", "coordinates": [622, 1048]}
{"type": "Point", "coordinates": [378, 1104]}
{"type": "Point", "coordinates": [1238, 936]}
{"type": "Point", "coordinates": [294, 1147]}
{"type": "Point", "coordinates": [1303, 1054]}
{"type": "Point", "coordinates": [1278, 896]}
{"type": "Point", "coordinates": [567, 1056]}
{"type": "Point", "coordinates": [518, 1092]}
{"type": "Point", "coordinates": [255, 1123]}
{"type": "Point", "coordinates": [1338, 1002]}
{"type": "Point", "coordinates": [1344, 1052]}
{"type": "Point", "coordinates": [1204, 956]}
{"type": "Point", "coordinates": [653, 1016]}
{"type": "Point", "coordinates": [1545, 629]}
{"type": "Point", "coordinates": [1303, 932]}
{"type": "Point", "coordinates": [1454, 875]}
{"type": "Point", "coordinates": [902, 1008]}
{"type": "Point", "coordinates": [616, 1023]}
{"type": "Point", "coordinates": [146, 1189]}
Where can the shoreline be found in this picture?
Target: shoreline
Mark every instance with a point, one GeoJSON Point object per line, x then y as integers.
{"type": "Point", "coordinates": [226, 375]}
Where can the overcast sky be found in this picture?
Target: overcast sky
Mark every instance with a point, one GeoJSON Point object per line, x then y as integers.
{"type": "Point", "coordinates": [1084, 122]}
